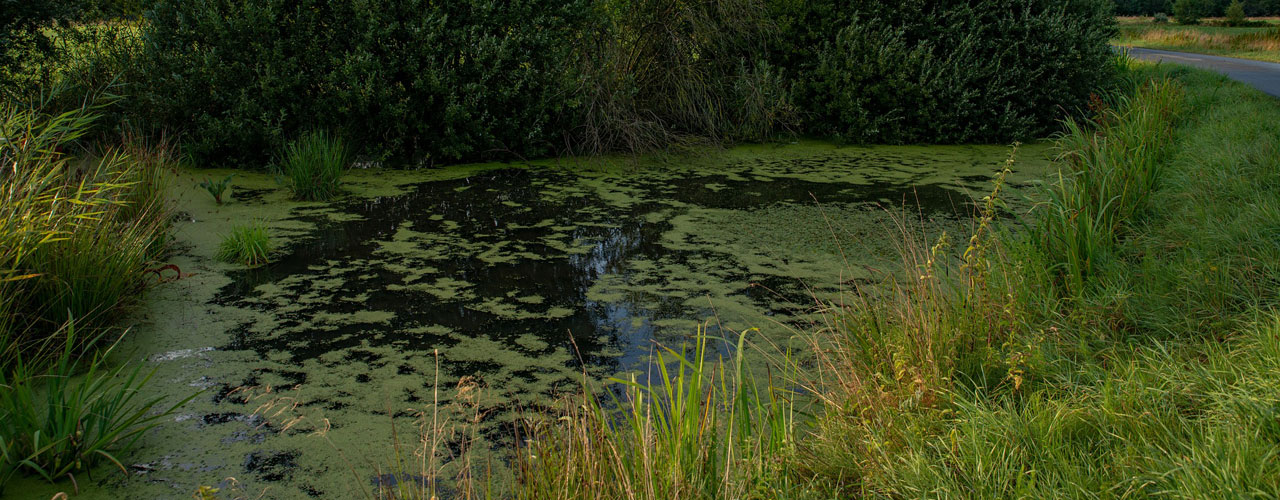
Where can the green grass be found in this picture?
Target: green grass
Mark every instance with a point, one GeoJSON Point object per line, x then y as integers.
{"type": "Point", "coordinates": [313, 165]}
{"type": "Point", "coordinates": [1257, 43]}
{"type": "Point", "coordinates": [1109, 168]}
{"type": "Point", "coordinates": [248, 244]}
{"type": "Point", "coordinates": [704, 430]}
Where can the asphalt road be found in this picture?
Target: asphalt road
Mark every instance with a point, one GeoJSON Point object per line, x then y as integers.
{"type": "Point", "coordinates": [1263, 75]}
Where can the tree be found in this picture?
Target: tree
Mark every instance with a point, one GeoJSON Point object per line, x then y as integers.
{"type": "Point", "coordinates": [1188, 11]}
{"type": "Point", "coordinates": [20, 27]}
{"type": "Point", "coordinates": [1235, 14]}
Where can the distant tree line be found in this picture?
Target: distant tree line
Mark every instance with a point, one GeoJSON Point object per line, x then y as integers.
{"type": "Point", "coordinates": [1207, 8]}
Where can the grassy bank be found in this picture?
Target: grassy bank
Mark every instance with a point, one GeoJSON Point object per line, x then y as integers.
{"type": "Point", "coordinates": [1259, 43]}
{"type": "Point", "coordinates": [1121, 344]}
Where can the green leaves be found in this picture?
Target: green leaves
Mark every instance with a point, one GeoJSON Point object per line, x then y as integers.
{"type": "Point", "coordinates": [79, 413]}
{"type": "Point", "coordinates": [218, 188]}
{"type": "Point", "coordinates": [436, 81]}
{"type": "Point", "coordinates": [922, 72]}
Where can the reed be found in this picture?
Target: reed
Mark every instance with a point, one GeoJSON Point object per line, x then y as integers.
{"type": "Point", "coordinates": [313, 165]}
{"type": "Point", "coordinates": [249, 245]}
{"type": "Point", "coordinates": [703, 429]}
{"type": "Point", "coordinates": [64, 419]}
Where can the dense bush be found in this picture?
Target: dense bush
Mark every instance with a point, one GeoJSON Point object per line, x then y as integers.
{"type": "Point", "coordinates": [443, 80]}
{"type": "Point", "coordinates": [918, 71]}
{"type": "Point", "coordinates": [461, 81]}
{"type": "Point", "coordinates": [20, 33]}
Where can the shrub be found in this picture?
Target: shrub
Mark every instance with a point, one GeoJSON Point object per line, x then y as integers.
{"type": "Point", "coordinates": [1160, 18]}
{"type": "Point", "coordinates": [443, 81]}
{"type": "Point", "coordinates": [312, 166]}
{"type": "Point", "coordinates": [249, 245]}
{"type": "Point", "coordinates": [977, 71]}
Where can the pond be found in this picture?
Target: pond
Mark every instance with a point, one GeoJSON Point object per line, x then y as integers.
{"type": "Point", "coordinates": [490, 289]}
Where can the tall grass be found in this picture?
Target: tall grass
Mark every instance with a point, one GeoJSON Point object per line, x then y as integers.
{"type": "Point", "coordinates": [705, 429]}
{"type": "Point", "coordinates": [77, 233]}
{"type": "Point", "coordinates": [1263, 40]}
{"type": "Point", "coordinates": [313, 165]}
{"type": "Point", "coordinates": [1108, 169]}
{"type": "Point", "coordinates": [58, 421]}
{"type": "Point", "coordinates": [76, 236]}
{"type": "Point", "coordinates": [249, 245]}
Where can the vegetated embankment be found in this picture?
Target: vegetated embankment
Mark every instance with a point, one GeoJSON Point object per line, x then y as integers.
{"type": "Point", "coordinates": [1120, 343]}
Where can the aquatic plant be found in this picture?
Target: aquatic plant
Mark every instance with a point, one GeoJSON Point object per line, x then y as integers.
{"type": "Point", "coordinates": [312, 165]}
{"type": "Point", "coordinates": [58, 422]}
{"type": "Point", "coordinates": [248, 244]}
{"type": "Point", "coordinates": [75, 238]}
{"type": "Point", "coordinates": [216, 189]}
{"type": "Point", "coordinates": [704, 429]}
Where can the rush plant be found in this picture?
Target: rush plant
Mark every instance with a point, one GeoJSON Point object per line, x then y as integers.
{"type": "Point", "coordinates": [248, 244]}
{"type": "Point", "coordinates": [313, 165]}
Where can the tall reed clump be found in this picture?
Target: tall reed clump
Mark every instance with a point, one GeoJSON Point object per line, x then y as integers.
{"type": "Point", "coordinates": [312, 165]}
{"type": "Point", "coordinates": [705, 429]}
{"type": "Point", "coordinates": [249, 245]}
{"type": "Point", "coordinates": [78, 233]}
{"type": "Point", "coordinates": [1109, 167]}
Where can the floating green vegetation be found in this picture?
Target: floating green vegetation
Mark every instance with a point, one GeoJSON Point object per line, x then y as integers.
{"type": "Point", "coordinates": [249, 245]}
